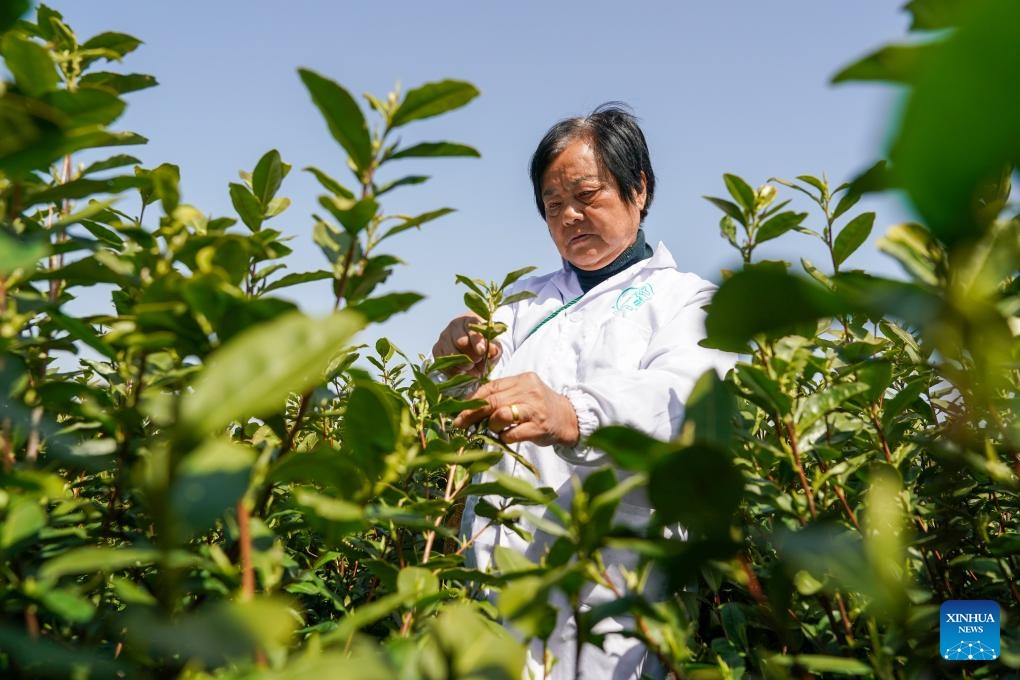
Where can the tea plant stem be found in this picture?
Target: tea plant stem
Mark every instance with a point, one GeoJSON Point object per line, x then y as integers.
{"type": "Point", "coordinates": [57, 260]}
{"type": "Point", "coordinates": [244, 538]}
{"type": "Point", "coordinates": [792, 440]}
{"type": "Point", "coordinates": [341, 286]}
{"type": "Point", "coordinates": [405, 625]}
{"type": "Point", "coordinates": [32, 449]}
{"type": "Point", "coordinates": [753, 584]}
{"type": "Point", "coordinates": [7, 444]}
{"type": "Point", "coordinates": [288, 445]}
{"type": "Point", "coordinates": [1011, 581]}
{"type": "Point", "coordinates": [941, 579]}
{"type": "Point", "coordinates": [430, 538]}
{"type": "Point", "coordinates": [840, 494]}
{"type": "Point", "coordinates": [642, 627]}
{"type": "Point", "coordinates": [932, 576]}
{"type": "Point", "coordinates": [846, 506]}
{"type": "Point", "coordinates": [262, 505]}
{"type": "Point", "coordinates": [32, 621]}
{"type": "Point", "coordinates": [575, 611]}
{"type": "Point", "coordinates": [837, 632]}
{"type": "Point", "coordinates": [881, 435]}
{"type": "Point", "coordinates": [848, 628]}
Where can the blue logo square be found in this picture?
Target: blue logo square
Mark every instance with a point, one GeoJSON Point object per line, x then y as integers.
{"type": "Point", "coordinates": [969, 630]}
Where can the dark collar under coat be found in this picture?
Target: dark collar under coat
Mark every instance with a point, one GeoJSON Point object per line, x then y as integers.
{"type": "Point", "coordinates": [635, 252]}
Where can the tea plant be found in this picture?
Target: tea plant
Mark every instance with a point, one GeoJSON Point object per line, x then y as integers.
{"type": "Point", "coordinates": [203, 481]}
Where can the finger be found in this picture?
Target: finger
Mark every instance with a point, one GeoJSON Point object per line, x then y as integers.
{"type": "Point", "coordinates": [497, 386]}
{"type": "Point", "coordinates": [503, 417]}
{"type": "Point", "coordinates": [465, 345]}
{"type": "Point", "coordinates": [525, 432]}
{"type": "Point", "coordinates": [469, 417]}
{"type": "Point", "coordinates": [477, 343]}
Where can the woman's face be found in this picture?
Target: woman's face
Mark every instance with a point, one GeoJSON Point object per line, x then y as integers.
{"type": "Point", "coordinates": [588, 219]}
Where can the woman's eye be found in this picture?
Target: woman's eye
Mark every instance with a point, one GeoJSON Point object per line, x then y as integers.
{"type": "Point", "coordinates": [587, 195]}
{"type": "Point", "coordinates": [552, 208]}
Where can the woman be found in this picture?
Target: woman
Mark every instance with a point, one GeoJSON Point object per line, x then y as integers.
{"type": "Point", "coordinates": [611, 338]}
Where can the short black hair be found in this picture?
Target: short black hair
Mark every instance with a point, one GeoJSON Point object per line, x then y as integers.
{"type": "Point", "coordinates": [619, 146]}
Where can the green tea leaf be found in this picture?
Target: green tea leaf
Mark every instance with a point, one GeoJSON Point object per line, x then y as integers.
{"type": "Point", "coordinates": [629, 448]}
{"type": "Point", "coordinates": [330, 184]}
{"type": "Point", "coordinates": [434, 149]}
{"type": "Point", "coordinates": [410, 180]}
{"type": "Point", "coordinates": [18, 254]}
{"type": "Point", "coordinates": [378, 309]}
{"type": "Point", "coordinates": [709, 412]}
{"type": "Point", "coordinates": [121, 83]}
{"type": "Point", "coordinates": [958, 131]}
{"type": "Point", "coordinates": [846, 201]}
{"type": "Point", "coordinates": [117, 44]}
{"type": "Point", "coordinates": [252, 375]}
{"type": "Point", "coordinates": [764, 300]}
{"type": "Point", "coordinates": [30, 64]}
{"type": "Point", "coordinates": [247, 206]}
{"type": "Point", "coordinates": [852, 236]}
{"type": "Point", "coordinates": [371, 427]}
{"type": "Point", "coordinates": [476, 304]}
{"type": "Point", "coordinates": [83, 332]}
{"type": "Point", "coordinates": [878, 297]}
{"type": "Point", "coordinates": [817, 663]}
{"type": "Point", "coordinates": [68, 605]}
{"type": "Point", "coordinates": [343, 116]}
{"type": "Point", "coordinates": [89, 559]}
{"type": "Point", "coordinates": [516, 297]}
{"type": "Point", "coordinates": [820, 185]}
{"type": "Point", "coordinates": [433, 99]}
{"type": "Point", "coordinates": [728, 229]}
{"type": "Point", "coordinates": [209, 481]}
{"type": "Point", "coordinates": [889, 64]}
{"type": "Point", "coordinates": [268, 176]}
{"type": "Point", "coordinates": [87, 106]}
{"type": "Point", "coordinates": [298, 278]}
{"type": "Point", "coordinates": [417, 582]}
{"type": "Point", "coordinates": [514, 276]}
{"type": "Point", "coordinates": [117, 161]}
{"type": "Point", "coordinates": [697, 486]}
{"type": "Point", "coordinates": [728, 207]}
{"type": "Point", "coordinates": [936, 15]}
{"type": "Point", "coordinates": [877, 375]}
{"type": "Point", "coordinates": [354, 216]}
{"type": "Point", "coordinates": [741, 192]}
{"type": "Point", "coordinates": [820, 403]}
{"type": "Point", "coordinates": [25, 517]}
{"type": "Point", "coordinates": [416, 221]}
{"type": "Point", "coordinates": [11, 11]}
{"type": "Point", "coordinates": [777, 225]}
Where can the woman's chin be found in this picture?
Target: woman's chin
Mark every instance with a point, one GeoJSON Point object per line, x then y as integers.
{"type": "Point", "coordinates": [589, 262]}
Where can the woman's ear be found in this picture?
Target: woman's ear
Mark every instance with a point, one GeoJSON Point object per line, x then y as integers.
{"type": "Point", "coordinates": [641, 196]}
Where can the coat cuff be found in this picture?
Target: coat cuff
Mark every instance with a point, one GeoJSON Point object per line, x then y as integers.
{"type": "Point", "coordinates": [585, 407]}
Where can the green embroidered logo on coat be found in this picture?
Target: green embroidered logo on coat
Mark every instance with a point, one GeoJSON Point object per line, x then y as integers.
{"type": "Point", "coordinates": [632, 298]}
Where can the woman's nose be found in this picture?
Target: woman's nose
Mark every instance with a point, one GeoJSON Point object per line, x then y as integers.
{"type": "Point", "coordinates": [572, 213]}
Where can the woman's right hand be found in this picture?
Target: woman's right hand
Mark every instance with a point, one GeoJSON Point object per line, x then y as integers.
{"type": "Point", "coordinates": [457, 338]}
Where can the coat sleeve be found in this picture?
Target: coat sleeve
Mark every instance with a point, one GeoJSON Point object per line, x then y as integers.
{"type": "Point", "coordinates": [651, 397]}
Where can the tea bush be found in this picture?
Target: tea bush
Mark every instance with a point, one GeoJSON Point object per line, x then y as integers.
{"type": "Point", "coordinates": [216, 487]}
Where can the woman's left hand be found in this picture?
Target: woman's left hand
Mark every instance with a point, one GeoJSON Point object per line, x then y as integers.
{"type": "Point", "coordinates": [523, 408]}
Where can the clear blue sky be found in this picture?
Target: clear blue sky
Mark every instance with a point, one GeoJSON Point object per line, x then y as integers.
{"type": "Point", "coordinates": [723, 86]}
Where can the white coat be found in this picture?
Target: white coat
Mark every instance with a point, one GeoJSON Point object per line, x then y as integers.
{"type": "Point", "coordinates": [626, 353]}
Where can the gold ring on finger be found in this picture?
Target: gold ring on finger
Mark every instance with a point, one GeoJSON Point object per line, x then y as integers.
{"type": "Point", "coordinates": [515, 415]}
